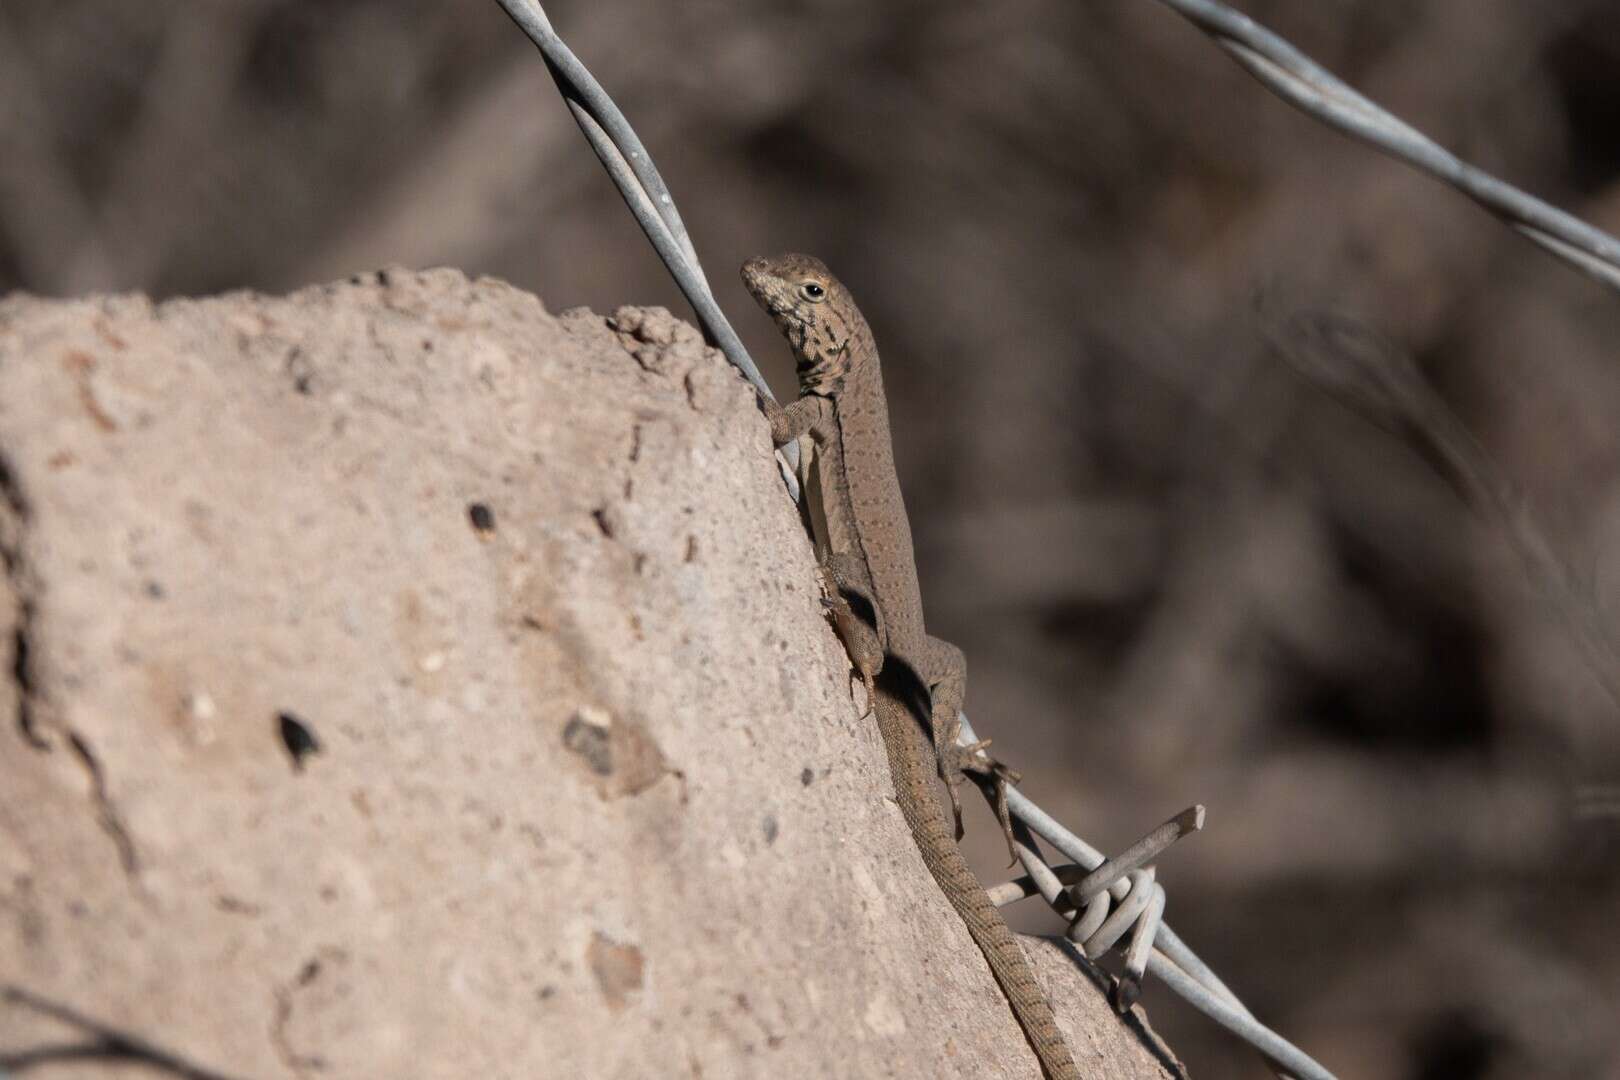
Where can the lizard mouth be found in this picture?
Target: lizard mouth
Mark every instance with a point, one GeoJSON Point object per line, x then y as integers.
{"type": "Point", "coordinates": [783, 310]}
{"type": "Point", "coordinates": [778, 309]}
{"type": "Point", "coordinates": [767, 297]}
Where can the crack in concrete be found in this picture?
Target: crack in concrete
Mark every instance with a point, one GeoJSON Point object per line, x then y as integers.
{"type": "Point", "coordinates": [299, 1064]}
{"type": "Point", "coordinates": [107, 815]}
{"type": "Point", "coordinates": [14, 517]}
{"type": "Point", "coordinates": [14, 514]}
{"type": "Point", "coordinates": [21, 675]}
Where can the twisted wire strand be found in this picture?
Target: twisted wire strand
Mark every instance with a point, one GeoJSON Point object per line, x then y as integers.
{"type": "Point", "coordinates": [1306, 85]}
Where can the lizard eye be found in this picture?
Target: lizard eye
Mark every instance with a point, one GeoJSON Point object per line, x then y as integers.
{"type": "Point", "coordinates": [813, 292]}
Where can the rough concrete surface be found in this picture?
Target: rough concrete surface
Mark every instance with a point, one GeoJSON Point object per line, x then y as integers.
{"type": "Point", "coordinates": [401, 680]}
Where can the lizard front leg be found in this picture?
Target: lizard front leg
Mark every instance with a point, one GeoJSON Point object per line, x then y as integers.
{"type": "Point", "coordinates": [808, 415]}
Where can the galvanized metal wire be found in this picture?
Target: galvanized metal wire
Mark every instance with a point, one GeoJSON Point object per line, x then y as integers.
{"type": "Point", "coordinates": [1312, 89]}
{"type": "Point", "coordinates": [631, 168]}
{"type": "Point", "coordinates": [1297, 79]}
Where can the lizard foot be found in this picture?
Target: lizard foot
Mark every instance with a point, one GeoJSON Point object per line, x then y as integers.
{"type": "Point", "coordinates": [973, 759]}
{"type": "Point", "coordinates": [860, 641]}
{"type": "Point", "coordinates": [869, 680]}
{"type": "Point", "coordinates": [864, 655]}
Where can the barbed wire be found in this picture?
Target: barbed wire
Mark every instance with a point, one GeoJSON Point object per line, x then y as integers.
{"type": "Point", "coordinates": [1153, 945]}
{"type": "Point", "coordinates": [1293, 76]}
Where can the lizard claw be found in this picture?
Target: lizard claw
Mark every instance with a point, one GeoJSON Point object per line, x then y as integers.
{"type": "Point", "coordinates": [953, 780]}
{"type": "Point", "coordinates": [1004, 815]}
{"type": "Point", "coordinates": [973, 759]}
{"type": "Point", "coordinates": [869, 678]}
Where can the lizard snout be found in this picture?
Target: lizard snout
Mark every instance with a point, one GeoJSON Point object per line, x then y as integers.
{"type": "Point", "coordinates": [755, 272]}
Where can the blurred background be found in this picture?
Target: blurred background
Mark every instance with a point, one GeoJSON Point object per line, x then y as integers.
{"type": "Point", "coordinates": [1181, 572]}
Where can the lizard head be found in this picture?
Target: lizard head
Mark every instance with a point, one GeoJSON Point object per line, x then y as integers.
{"type": "Point", "coordinates": [815, 312]}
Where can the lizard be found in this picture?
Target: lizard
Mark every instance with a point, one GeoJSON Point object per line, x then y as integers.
{"type": "Point", "coordinates": [875, 600]}
{"type": "Point", "coordinates": [862, 524]}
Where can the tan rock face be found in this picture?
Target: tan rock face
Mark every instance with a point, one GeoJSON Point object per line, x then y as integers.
{"type": "Point", "coordinates": [400, 680]}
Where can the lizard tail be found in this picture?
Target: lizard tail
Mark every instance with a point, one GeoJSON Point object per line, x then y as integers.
{"type": "Point", "coordinates": [910, 760]}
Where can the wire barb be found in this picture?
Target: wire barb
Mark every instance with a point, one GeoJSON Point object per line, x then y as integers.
{"type": "Point", "coordinates": [1138, 854]}
{"type": "Point", "coordinates": [1129, 987]}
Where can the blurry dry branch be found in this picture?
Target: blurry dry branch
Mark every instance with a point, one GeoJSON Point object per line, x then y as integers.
{"type": "Point", "coordinates": [1376, 378]}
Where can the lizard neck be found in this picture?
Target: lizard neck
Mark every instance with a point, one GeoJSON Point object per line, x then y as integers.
{"type": "Point", "coordinates": [830, 372]}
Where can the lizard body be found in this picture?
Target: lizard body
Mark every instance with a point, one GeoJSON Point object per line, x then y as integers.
{"type": "Point", "coordinates": [866, 533]}
{"type": "Point", "coordinates": [911, 677]}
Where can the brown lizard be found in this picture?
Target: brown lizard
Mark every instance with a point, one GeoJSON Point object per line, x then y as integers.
{"type": "Point", "coordinates": [868, 561]}
{"type": "Point", "coordinates": [862, 524]}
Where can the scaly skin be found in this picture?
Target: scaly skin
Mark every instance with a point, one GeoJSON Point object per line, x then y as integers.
{"type": "Point", "coordinates": [912, 767]}
{"type": "Point", "coordinates": [912, 679]}
{"type": "Point", "coordinates": [863, 528]}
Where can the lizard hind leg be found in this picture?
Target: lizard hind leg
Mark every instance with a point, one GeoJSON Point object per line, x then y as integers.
{"type": "Point", "coordinates": [862, 638]}
{"type": "Point", "coordinates": [945, 670]}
